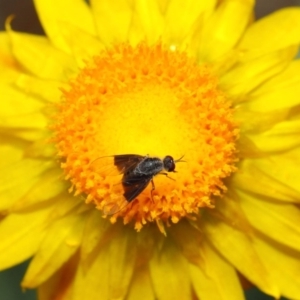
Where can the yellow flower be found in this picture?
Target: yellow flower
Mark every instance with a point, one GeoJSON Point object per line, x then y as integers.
{"type": "Point", "coordinates": [193, 78]}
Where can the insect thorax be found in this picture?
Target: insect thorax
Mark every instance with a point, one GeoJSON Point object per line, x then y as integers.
{"type": "Point", "coordinates": [150, 166]}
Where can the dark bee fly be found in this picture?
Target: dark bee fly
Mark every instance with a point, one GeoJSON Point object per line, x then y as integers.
{"type": "Point", "coordinates": [137, 172]}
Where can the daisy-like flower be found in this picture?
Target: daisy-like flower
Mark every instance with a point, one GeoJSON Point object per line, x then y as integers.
{"type": "Point", "coordinates": [199, 79]}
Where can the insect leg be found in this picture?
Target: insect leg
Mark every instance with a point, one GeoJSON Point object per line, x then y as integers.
{"type": "Point", "coordinates": [153, 188]}
{"type": "Point", "coordinates": [167, 175]}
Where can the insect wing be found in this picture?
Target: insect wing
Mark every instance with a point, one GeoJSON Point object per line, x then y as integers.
{"type": "Point", "coordinates": [130, 193]}
{"type": "Point", "coordinates": [127, 162]}
{"type": "Point", "coordinates": [127, 188]}
{"type": "Point", "coordinates": [104, 166]}
{"type": "Point", "coordinates": [115, 164]}
{"type": "Point", "coordinates": [115, 206]}
{"type": "Point", "coordinates": [133, 186]}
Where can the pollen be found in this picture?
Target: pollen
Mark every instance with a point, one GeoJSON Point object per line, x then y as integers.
{"type": "Point", "coordinates": [150, 101]}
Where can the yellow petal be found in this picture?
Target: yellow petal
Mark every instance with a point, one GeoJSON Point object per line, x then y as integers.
{"type": "Point", "coordinates": [218, 279]}
{"type": "Point", "coordinates": [94, 282]}
{"type": "Point", "coordinates": [8, 66]}
{"type": "Point", "coordinates": [281, 91]}
{"type": "Point", "coordinates": [61, 241]}
{"type": "Point", "coordinates": [37, 56]}
{"type": "Point", "coordinates": [224, 28]}
{"type": "Point", "coordinates": [113, 19]}
{"type": "Point", "coordinates": [59, 285]}
{"type": "Point", "coordinates": [278, 221]}
{"type": "Point", "coordinates": [288, 78]}
{"type": "Point", "coordinates": [44, 89]}
{"type": "Point", "coordinates": [17, 180]}
{"type": "Point", "coordinates": [258, 40]}
{"type": "Point", "coordinates": [247, 148]}
{"type": "Point", "coordinates": [275, 181]}
{"type": "Point", "coordinates": [165, 273]}
{"type": "Point", "coordinates": [27, 116]}
{"type": "Point", "coordinates": [283, 136]}
{"type": "Point", "coordinates": [111, 270]}
{"type": "Point", "coordinates": [53, 13]}
{"type": "Point", "coordinates": [48, 185]}
{"type": "Point", "coordinates": [21, 235]}
{"type": "Point", "coordinates": [244, 258]}
{"type": "Point", "coordinates": [147, 22]}
{"type": "Point", "coordinates": [12, 149]}
{"type": "Point", "coordinates": [249, 75]}
{"type": "Point", "coordinates": [289, 175]}
{"type": "Point", "coordinates": [230, 211]}
{"type": "Point", "coordinates": [28, 134]}
{"type": "Point", "coordinates": [274, 103]}
{"type": "Point", "coordinates": [13, 98]}
{"type": "Point", "coordinates": [285, 266]}
{"type": "Point", "coordinates": [181, 17]}
{"type": "Point", "coordinates": [40, 148]}
{"type": "Point", "coordinates": [141, 286]}
{"type": "Point", "coordinates": [122, 256]}
{"type": "Point", "coordinates": [28, 121]}
{"type": "Point", "coordinates": [94, 230]}
{"type": "Point", "coordinates": [64, 204]}
{"type": "Point", "coordinates": [189, 241]}
{"type": "Point", "coordinates": [253, 122]}
{"type": "Point", "coordinates": [78, 40]}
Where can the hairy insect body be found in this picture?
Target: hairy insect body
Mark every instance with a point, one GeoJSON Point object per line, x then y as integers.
{"type": "Point", "coordinates": [137, 172]}
{"type": "Point", "coordinates": [150, 166]}
{"type": "Point", "coordinates": [136, 179]}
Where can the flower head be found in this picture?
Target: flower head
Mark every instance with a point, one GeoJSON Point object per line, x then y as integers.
{"type": "Point", "coordinates": [155, 101]}
{"type": "Point", "coordinates": [152, 79]}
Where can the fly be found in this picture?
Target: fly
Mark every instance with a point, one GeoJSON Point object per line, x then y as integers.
{"type": "Point", "coordinates": [137, 172]}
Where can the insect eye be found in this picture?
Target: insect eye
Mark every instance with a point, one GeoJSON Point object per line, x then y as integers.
{"type": "Point", "coordinates": [169, 163]}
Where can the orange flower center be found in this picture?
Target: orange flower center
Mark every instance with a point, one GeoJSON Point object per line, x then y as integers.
{"type": "Point", "coordinates": [150, 101]}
